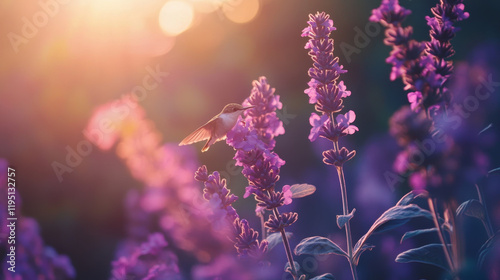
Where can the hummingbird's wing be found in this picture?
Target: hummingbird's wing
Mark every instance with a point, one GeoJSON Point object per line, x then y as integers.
{"type": "Point", "coordinates": [204, 132]}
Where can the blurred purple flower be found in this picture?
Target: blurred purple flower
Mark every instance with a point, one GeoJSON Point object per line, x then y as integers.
{"type": "Point", "coordinates": [422, 66]}
{"type": "Point", "coordinates": [150, 260]}
{"type": "Point", "coordinates": [389, 12]}
{"type": "Point", "coordinates": [247, 240]}
{"type": "Point", "coordinates": [170, 192]}
{"type": "Point", "coordinates": [225, 218]}
{"type": "Point", "coordinates": [287, 194]}
{"type": "Point", "coordinates": [219, 197]}
{"type": "Point", "coordinates": [415, 99]}
{"type": "Point", "coordinates": [33, 259]}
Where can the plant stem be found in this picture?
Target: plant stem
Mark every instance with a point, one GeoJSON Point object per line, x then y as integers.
{"type": "Point", "coordinates": [345, 209]}
{"type": "Point", "coordinates": [286, 244]}
{"type": "Point", "coordinates": [262, 227]}
{"type": "Point", "coordinates": [455, 237]}
{"type": "Point", "coordinates": [432, 207]}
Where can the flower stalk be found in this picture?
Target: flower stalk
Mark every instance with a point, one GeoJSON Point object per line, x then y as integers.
{"type": "Point", "coordinates": [327, 94]}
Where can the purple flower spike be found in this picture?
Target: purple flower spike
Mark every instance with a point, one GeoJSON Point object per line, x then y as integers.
{"type": "Point", "coordinates": [276, 224]}
{"type": "Point", "coordinates": [320, 25]}
{"type": "Point", "coordinates": [150, 260]}
{"type": "Point", "coordinates": [201, 174]}
{"type": "Point", "coordinates": [247, 240]}
{"type": "Point", "coordinates": [336, 157]}
{"type": "Point", "coordinates": [219, 197]}
{"type": "Point", "coordinates": [389, 12]}
{"type": "Point", "coordinates": [253, 140]}
{"type": "Point", "coordinates": [326, 91]}
{"type": "Point", "coordinates": [422, 66]}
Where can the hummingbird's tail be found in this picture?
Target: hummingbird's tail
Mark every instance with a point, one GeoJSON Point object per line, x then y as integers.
{"type": "Point", "coordinates": [205, 148]}
{"type": "Point", "coordinates": [208, 144]}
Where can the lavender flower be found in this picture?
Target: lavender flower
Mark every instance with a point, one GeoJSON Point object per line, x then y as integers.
{"type": "Point", "coordinates": [219, 197]}
{"type": "Point", "coordinates": [246, 240]}
{"type": "Point", "coordinates": [277, 224]}
{"type": "Point", "coordinates": [33, 259]}
{"type": "Point", "coordinates": [150, 260]}
{"type": "Point", "coordinates": [327, 93]}
{"type": "Point", "coordinates": [422, 66]}
{"type": "Point", "coordinates": [424, 70]}
{"type": "Point", "coordinates": [324, 91]}
{"type": "Point", "coordinates": [389, 12]}
{"type": "Point", "coordinates": [261, 166]}
{"type": "Point", "coordinates": [224, 216]}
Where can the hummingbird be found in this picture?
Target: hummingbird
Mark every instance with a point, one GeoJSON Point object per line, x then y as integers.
{"type": "Point", "coordinates": [216, 128]}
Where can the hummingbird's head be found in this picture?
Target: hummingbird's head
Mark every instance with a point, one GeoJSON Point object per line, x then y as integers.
{"type": "Point", "coordinates": [234, 107]}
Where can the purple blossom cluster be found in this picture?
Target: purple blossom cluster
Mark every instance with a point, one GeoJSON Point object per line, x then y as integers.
{"type": "Point", "coordinates": [424, 69]}
{"type": "Point", "coordinates": [35, 260]}
{"type": "Point", "coordinates": [32, 258]}
{"type": "Point", "coordinates": [148, 261]}
{"type": "Point", "coordinates": [422, 66]}
{"type": "Point", "coordinates": [429, 161]}
{"type": "Point", "coordinates": [253, 140]}
{"type": "Point", "coordinates": [326, 92]}
{"type": "Point", "coordinates": [219, 198]}
{"type": "Point", "coordinates": [224, 216]}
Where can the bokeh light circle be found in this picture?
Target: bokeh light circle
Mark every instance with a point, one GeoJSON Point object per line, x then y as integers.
{"type": "Point", "coordinates": [175, 17]}
{"type": "Point", "coordinates": [241, 11]}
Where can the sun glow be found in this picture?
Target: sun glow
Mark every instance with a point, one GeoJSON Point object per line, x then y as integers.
{"type": "Point", "coordinates": [241, 12]}
{"type": "Point", "coordinates": [176, 17]}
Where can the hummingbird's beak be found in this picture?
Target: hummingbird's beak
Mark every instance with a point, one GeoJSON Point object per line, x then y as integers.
{"type": "Point", "coordinates": [249, 107]}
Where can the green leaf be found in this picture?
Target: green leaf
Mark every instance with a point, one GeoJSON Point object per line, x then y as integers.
{"type": "Point", "coordinates": [302, 190]}
{"type": "Point", "coordinates": [392, 218]}
{"type": "Point", "coordinates": [408, 198]}
{"type": "Point", "coordinates": [326, 276]}
{"type": "Point", "coordinates": [486, 128]}
{"type": "Point", "coordinates": [486, 248]}
{"type": "Point", "coordinates": [365, 247]}
{"type": "Point", "coordinates": [343, 219]}
{"type": "Point", "coordinates": [317, 245]}
{"type": "Point", "coordinates": [432, 254]}
{"type": "Point", "coordinates": [472, 208]}
{"type": "Point", "coordinates": [413, 233]}
{"type": "Point", "coordinates": [275, 238]}
{"type": "Point", "coordinates": [494, 170]}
